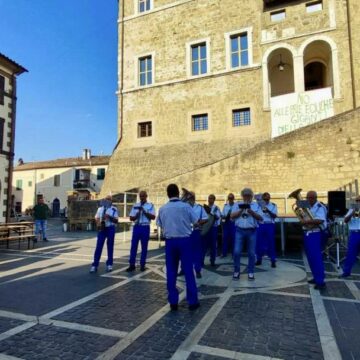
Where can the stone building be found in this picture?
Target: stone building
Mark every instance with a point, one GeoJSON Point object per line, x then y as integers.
{"type": "Point", "coordinates": [9, 70]}
{"type": "Point", "coordinates": [55, 180]}
{"type": "Point", "coordinates": [206, 83]}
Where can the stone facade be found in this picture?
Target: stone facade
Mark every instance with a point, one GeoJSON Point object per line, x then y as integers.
{"type": "Point", "coordinates": [8, 72]}
{"type": "Point", "coordinates": [167, 33]}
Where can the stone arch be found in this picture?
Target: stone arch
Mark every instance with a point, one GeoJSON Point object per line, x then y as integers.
{"type": "Point", "coordinates": [269, 60]}
{"type": "Point", "coordinates": [318, 50]}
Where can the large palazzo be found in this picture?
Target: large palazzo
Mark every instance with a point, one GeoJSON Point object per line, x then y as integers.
{"type": "Point", "coordinates": [210, 89]}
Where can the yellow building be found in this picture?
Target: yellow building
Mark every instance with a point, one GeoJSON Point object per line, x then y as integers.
{"type": "Point", "coordinates": [55, 180]}
{"type": "Point", "coordinates": [202, 81]}
{"type": "Point", "coordinates": [9, 70]}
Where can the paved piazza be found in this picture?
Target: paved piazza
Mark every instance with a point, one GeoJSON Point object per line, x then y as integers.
{"type": "Point", "coordinates": [52, 308]}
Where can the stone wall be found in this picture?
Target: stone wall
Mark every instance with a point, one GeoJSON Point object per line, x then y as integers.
{"type": "Point", "coordinates": [323, 156]}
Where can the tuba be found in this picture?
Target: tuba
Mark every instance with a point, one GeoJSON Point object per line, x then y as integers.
{"type": "Point", "coordinates": [302, 213]}
{"type": "Point", "coordinates": [187, 196]}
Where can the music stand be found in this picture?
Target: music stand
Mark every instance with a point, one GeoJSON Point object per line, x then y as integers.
{"type": "Point", "coordinates": [338, 234]}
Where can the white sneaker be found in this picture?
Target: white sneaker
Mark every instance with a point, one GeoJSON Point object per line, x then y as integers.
{"type": "Point", "coordinates": [236, 275]}
{"type": "Point", "coordinates": [93, 269]}
{"type": "Point", "coordinates": [109, 268]}
{"type": "Point", "coordinates": [251, 276]}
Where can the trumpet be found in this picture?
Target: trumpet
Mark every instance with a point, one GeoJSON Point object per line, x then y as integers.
{"type": "Point", "coordinates": [302, 213]}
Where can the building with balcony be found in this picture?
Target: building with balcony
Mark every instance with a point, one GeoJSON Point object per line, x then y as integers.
{"type": "Point", "coordinates": [9, 70]}
{"type": "Point", "coordinates": [56, 180]}
{"type": "Point", "coordinates": [201, 81]}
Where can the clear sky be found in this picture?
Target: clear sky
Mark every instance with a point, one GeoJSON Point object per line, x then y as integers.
{"type": "Point", "coordinates": [67, 100]}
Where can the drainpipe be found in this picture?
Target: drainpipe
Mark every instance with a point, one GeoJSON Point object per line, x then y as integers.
{"type": "Point", "coordinates": [12, 148]}
{"type": "Point", "coordinates": [351, 54]}
{"type": "Point", "coordinates": [121, 85]}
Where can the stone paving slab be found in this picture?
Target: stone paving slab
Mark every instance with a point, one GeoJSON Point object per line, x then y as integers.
{"type": "Point", "coordinates": [267, 325]}
{"type": "Point", "coordinates": [42, 342]}
{"type": "Point", "coordinates": [301, 289]}
{"type": "Point", "coordinates": [198, 356]}
{"type": "Point", "coordinates": [7, 324]}
{"type": "Point", "coordinates": [162, 340]}
{"type": "Point", "coordinates": [123, 308]}
{"type": "Point", "coordinates": [337, 289]}
{"type": "Point", "coordinates": [153, 276]}
{"type": "Point", "coordinates": [345, 321]}
{"type": "Point", "coordinates": [211, 290]}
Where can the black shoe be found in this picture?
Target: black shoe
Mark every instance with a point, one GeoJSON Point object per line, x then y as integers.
{"type": "Point", "coordinates": [173, 307]}
{"type": "Point", "coordinates": [143, 268]}
{"type": "Point", "coordinates": [45, 239]}
{"type": "Point", "coordinates": [312, 281]}
{"type": "Point", "coordinates": [259, 262]}
{"type": "Point", "coordinates": [131, 268]}
{"type": "Point", "coordinates": [273, 264]}
{"type": "Point", "coordinates": [35, 240]}
{"type": "Point", "coordinates": [198, 275]}
{"type": "Point", "coordinates": [180, 273]}
{"type": "Point", "coordinates": [194, 306]}
{"type": "Point", "coordinates": [213, 264]}
{"type": "Point", "coordinates": [344, 276]}
{"type": "Point", "coordinates": [320, 286]}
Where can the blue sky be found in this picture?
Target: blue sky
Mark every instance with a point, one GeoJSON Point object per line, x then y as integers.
{"type": "Point", "coordinates": [67, 101]}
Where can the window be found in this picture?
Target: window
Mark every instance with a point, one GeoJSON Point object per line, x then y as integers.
{"type": "Point", "coordinates": [2, 129]}
{"type": "Point", "coordinates": [100, 174]}
{"type": "Point", "coordinates": [199, 122]}
{"type": "Point", "coordinates": [29, 183]}
{"type": "Point", "coordinates": [19, 184]}
{"type": "Point", "coordinates": [314, 6]}
{"type": "Point", "coordinates": [239, 50]}
{"type": "Point", "coordinates": [199, 59]}
{"type": "Point", "coordinates": [241, 117]}
{"type": "Point", "coordinates": [2, 89]}
{"type": "Point", "coordinates": [144, 5]}
{"type": "Point", "coordinates": [144, 129]}
{"type": "Point", "coordinates": [278, 15]}
{"type": "Point", "coordinates": [145, 70]}
{"type": "Point", "coordinates": [56, 180]}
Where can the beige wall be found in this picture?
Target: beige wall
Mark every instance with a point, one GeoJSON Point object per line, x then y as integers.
{"type": "Point", "coordinates": [174, 96]}
{"type": "Point", "coordinates": [42, 182]}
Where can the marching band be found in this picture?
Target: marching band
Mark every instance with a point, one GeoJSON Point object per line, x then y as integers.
{"type": "Point", "coordinates": [191, 232]}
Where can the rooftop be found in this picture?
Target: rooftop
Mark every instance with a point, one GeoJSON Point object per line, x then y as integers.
{"type": "Point", "coordinates": [14, 66]}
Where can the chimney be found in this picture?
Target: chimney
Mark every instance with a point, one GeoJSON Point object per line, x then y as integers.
{"type": "Point", "coordinates": [86, 154]}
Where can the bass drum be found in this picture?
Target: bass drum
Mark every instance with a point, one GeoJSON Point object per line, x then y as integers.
{"type": "Point", "coordinates": [207, 226]}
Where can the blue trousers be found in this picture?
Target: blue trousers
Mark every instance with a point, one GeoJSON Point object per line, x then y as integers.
{"type": "Point", "coordinates": [352, 252]}
{"type": "Point", "coordinates": [211, 242]}
{"type": "Point", "coordinates": [40, 225]}
{"type": "Point", "coordinates": [228, 237]}
{"type": "Point", "coordinates": [242, 235]}
{"type": "Point", "coordinates": [180, 249]}
{"type": "Point", "coordinates": [197, 250]}
{"type": "Point", "coordinates": [140, 233]}
{"type": "Point", "coordinates": [109, 234]}
{"type": "Point", "coordinates": [265, 241]}
{"type": "Point", "coordinates": [312, 245]}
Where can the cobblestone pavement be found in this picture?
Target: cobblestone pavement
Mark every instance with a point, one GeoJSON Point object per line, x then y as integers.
{"type": "Point", "coordinates": [52, 308]}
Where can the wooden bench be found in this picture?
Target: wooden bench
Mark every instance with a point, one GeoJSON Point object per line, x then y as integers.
{"type": "Point", "coordinates": [17, 232]}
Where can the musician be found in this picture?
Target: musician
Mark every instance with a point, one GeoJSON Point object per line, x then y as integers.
{"type": "Point", "coordinates": [196, 238]}
{"type": "Point", "coordinates": [212, 235]}
{"type": "Point", "coordinates": [176, 219]}
{"type": "Point", "coordinates": [353, 219]}
{"type": "Point", "coordinates": [265, 237]}
{"type": "Point", "coordinates": [246, 215]}
{"type": "Point", "coordinates": [141, 213]}
{"type": "Point", "coordinates": [313, 238]}
{"type": "Point", "coordinates": [228, 225]}
{"type": "Point", "coordinates": [106, 219]}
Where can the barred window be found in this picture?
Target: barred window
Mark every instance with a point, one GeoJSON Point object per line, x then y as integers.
{"type": "Point", "coordinates": [144, 5]}
{"type": "Point", "coordinates": [239, 50]}
{"type": "Point", "coordinates": [241, 117]}
{"type": "Point", "coordinates": [199, 59]}
{"type": "Point", "coordinates": [199, 122]}
{"type": "Point", "coordinates": [145, 70]}
{"type": "Point", "coordinates": [144, 129]}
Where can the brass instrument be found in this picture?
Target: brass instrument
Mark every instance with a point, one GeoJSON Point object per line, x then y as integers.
{"type": "Point", "coordinates": [302, 213]}
{"type": "Point", "coordinates": [187, 196]}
